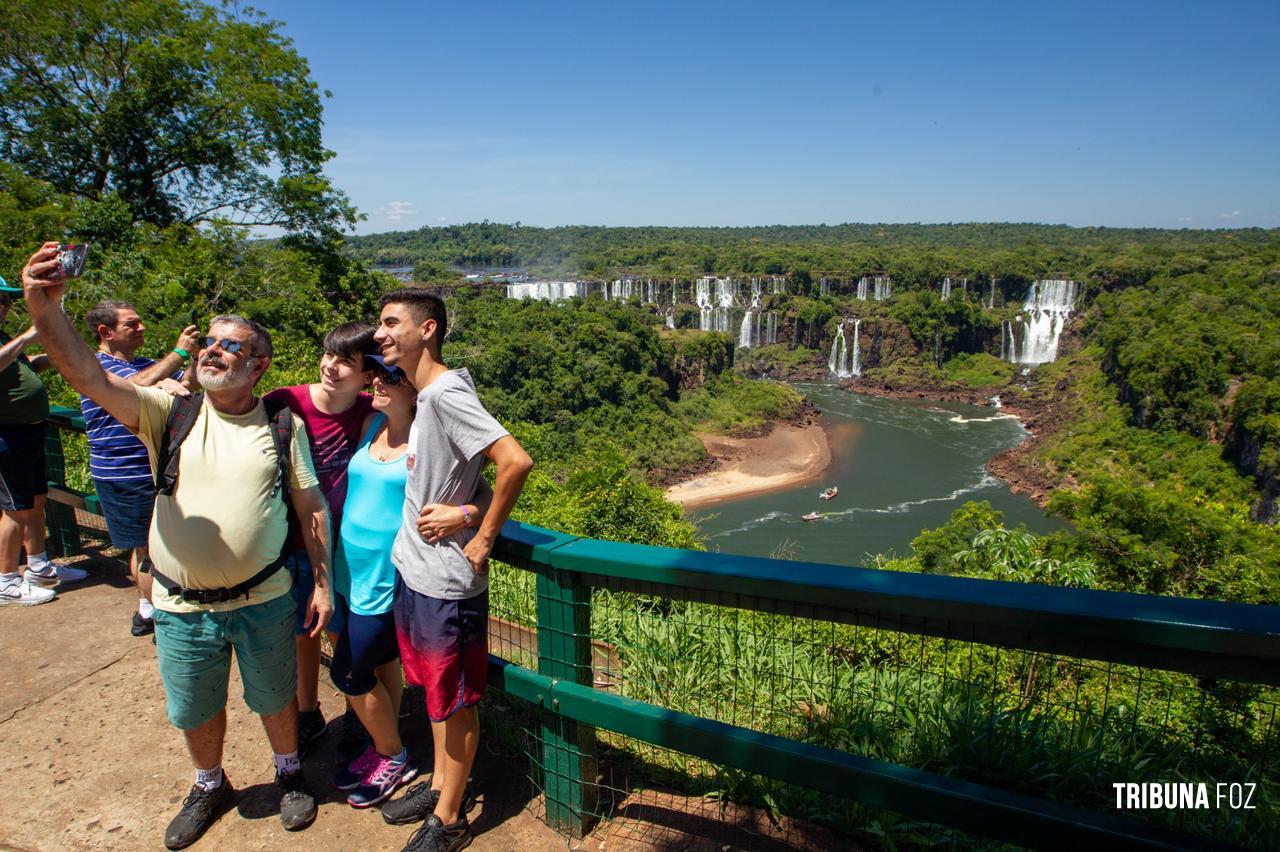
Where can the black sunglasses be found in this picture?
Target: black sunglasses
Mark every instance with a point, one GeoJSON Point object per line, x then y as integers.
{"type": "Point", "coordinates": [231, 347]}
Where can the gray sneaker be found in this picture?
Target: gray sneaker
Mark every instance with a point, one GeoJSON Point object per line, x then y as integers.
{"type": "Point", "coordinates": [297, 805]}
{"type": "Point", "coordinates": [200, 810]}
{"type": "Point", "coordinates": [419, 802]}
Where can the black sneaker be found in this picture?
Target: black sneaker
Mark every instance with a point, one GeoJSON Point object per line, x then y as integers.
{"type": "Point", "coordinates": [311, 727]}
{"type": "Point", "coordinates": [435, 836]}
{"type": "Point", "coordinates": [297, 805]}
{"type": "Point", "coordinates": [353, 739]}
{"type": "Point", "coordinates": [419, 803]}
{"type": "Point", "coordinates": [200, 810]}
{"type": "Point", "coordinates": [142, 626]}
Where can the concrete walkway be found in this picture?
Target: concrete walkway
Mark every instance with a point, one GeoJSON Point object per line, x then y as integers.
{"type": "Point", "coordinates": [88, 760]}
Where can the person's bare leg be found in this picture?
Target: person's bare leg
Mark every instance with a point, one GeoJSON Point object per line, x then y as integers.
{"type": "Point", "coordinates": [308, 651]}
{"type": "Point", "coordinates": [391, 676]}
{"type": "Point", "coordinates": [461, 740]}
{"type": "Point", "coordinates": [437, 755]}
{"type": "Point", "coordinates": [205, 742]}
{"type": "Point", "coordinates": [33, 526]}
{"type": "Point", "coordinates": [282, 728]}
{"type": "Point", "coordinates": [375, 709]}
{"type": "Point", "coordinates": [11, 533]}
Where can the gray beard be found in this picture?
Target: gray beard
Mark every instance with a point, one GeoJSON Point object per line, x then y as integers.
{"type": "Point", "coordinates": [221, 381]}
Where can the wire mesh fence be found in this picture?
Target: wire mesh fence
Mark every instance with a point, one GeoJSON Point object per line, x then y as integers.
{"type": "Point", "coordinates": [1058, 727]}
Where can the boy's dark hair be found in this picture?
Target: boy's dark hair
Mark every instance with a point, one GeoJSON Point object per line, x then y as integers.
{"type": "Point", "coordinates": [423, 304]}
{"type": "Point", "coordinates": [105, 313]}
{"type": "Point", "coordinates": [351, 340]}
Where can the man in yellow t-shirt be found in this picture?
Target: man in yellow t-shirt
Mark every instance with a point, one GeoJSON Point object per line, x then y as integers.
{"type": "Point", "coordinates": [221, 527]}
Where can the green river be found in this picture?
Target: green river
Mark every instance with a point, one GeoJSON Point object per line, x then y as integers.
{"type": "Point", "coordinates": [901, 467]}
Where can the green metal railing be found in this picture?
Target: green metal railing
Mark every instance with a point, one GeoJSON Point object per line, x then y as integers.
{"type": "Point", "coordinates": [884, 705]}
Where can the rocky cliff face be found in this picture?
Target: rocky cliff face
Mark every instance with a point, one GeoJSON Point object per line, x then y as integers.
{"type": "Point", "coordinates": [884, 341]}
{"type": "Point", "coordinates": [1246, 451]}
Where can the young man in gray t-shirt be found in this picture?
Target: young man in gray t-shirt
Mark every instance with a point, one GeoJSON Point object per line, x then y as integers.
{"type": "Point", "coordinates": [442, 603]}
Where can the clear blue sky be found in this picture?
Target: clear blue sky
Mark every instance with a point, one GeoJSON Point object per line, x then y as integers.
{"type": "Point", "coordinates": [1163, 114]}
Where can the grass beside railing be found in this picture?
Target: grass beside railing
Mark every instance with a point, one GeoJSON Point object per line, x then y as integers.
{"type": "Point", "coordinates": [1059, 727]}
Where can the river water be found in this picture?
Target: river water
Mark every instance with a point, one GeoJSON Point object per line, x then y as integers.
{"type": "Point", "coordinates": [901, 466]}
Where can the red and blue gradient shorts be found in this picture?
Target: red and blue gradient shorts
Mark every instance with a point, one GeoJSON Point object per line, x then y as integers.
{"type": "Point", "coordinates": [444, 647]}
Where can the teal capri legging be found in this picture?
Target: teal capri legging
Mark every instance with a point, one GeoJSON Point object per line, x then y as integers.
{"type": "Point", "coordinates": [194, 650]}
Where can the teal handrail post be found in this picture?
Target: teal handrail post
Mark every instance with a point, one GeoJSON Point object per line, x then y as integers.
{"type": "Point", "coordinates": [568, 746]}
{"type": "Point", "coordinates": [64, 531]}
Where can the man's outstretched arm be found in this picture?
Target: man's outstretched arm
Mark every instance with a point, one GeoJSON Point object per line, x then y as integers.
{"type": "Point", "coordinates": [67, 351]}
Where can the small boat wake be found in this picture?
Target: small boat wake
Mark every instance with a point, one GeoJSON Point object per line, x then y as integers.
{"type": "Point", "coordinates": [960, 418]}
{"type": "Point", "coordinates": [987, 481]}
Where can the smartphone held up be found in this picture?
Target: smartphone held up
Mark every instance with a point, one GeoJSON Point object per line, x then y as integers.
{"type": "Point", "coordinates": [71, 257]}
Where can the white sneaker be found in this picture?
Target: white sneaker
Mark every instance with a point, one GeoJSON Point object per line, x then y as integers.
{"type": "Point", "coordinates": [53, 573]}
{"type": "Point", "coordinates": [25, 594]}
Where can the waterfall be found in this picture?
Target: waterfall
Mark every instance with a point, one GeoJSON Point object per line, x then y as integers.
{"type": "Point", "coordinates": [836, 360]}
{"type": "Point", "coordinates": [744, 331]}
{"type": "Point", "coordinates": [839, 362]}
{"type": "Point", "coordinates": [778, 285]}
{"type": "Point", "coordinates": [751, 320]}
{"type": "Point", "coordinates": [703, 297]}
{"type": "Point", "coordinates": [771, 336]}
{"type": "Point", "coordinates": [883, 287]}
{"type": "Point", "coordinates": [1045, 313]}
{"type": "Point", "coordinates": [726, 292]}
{"type": "Point", "coordinates": [621, 289]}
{"type": "Point", "coordinates": [991, 301]}
{"type": "Point", "coordinates": [675, 291]}
{"type": "Point", "coordinates": [671, 318]}
{"type": "Point", "coordinates": [946, 289]}
{"type": "Point", "coordinates": [862, 288]}
{"type": "Point", "coordinates": [554, 291]}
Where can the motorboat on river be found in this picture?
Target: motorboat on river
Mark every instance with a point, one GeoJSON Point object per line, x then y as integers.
{"type": "Point", "coordinates": [812, 516]}
{"type": "Point", "coordinates": [829, 493]}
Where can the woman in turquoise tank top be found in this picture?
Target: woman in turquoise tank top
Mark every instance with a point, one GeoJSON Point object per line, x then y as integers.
{"type": "Point", "coordinates": [366, 657]}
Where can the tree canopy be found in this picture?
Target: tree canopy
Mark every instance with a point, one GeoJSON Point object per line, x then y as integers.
{"type": "Point", "coordinates": [188, 112]}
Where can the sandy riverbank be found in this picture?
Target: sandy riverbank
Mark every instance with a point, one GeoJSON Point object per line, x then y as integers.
{"type": "Point", "coordinates": [788, 456]}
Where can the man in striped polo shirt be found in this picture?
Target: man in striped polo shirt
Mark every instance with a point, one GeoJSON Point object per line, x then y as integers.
{"type": "Point", "coordinates": [117, 459]}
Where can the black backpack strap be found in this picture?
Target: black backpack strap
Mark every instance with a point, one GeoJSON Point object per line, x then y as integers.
{"type": "Point", "coordinates": [280, 419]}
{"type": "Point", "coordinates": [182, 417]}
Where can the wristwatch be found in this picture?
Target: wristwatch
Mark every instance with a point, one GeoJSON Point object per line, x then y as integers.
{"type": "Point", "coordinates": [466, 515]}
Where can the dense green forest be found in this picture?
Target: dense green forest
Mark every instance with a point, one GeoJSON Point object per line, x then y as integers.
{"type": "Point", "coordinates": [1164, 401]}
{"type": "Point", "coordinates": [1161, 436]}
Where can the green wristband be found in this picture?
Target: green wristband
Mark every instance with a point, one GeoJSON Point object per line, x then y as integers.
{"type": "Point", "coordinates": [186, 356]}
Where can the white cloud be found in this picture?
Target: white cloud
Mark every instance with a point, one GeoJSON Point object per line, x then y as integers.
{"type": "Point", "coordinates": [442, 218]}
{"type": "Point", "coordinates": [1185, 219]}
{"type": "Point", "coordinates": [1233, 214]}
{"type": "Point", "coordinates": [394, 211]}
